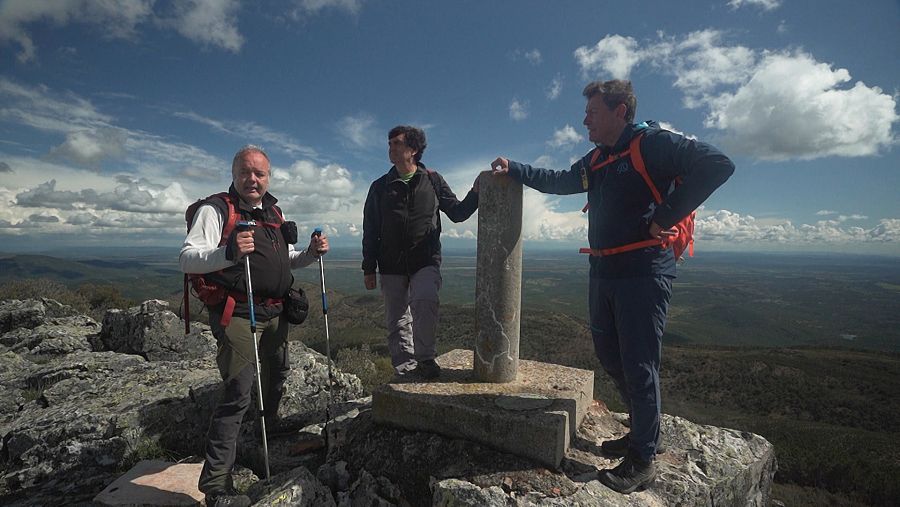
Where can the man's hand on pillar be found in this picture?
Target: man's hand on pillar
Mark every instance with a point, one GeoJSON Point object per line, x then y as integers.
{"type": "Point", "coordinates": [500, 166]}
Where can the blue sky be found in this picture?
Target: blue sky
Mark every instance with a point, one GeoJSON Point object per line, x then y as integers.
{"type": "Point", "coordinates": [114, 115]}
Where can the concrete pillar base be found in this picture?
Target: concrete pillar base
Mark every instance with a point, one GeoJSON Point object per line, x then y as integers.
{"type": "Point", "coordinates": [535, 416]}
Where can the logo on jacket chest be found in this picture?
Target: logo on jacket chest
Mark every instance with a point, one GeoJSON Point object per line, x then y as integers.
{"type": "Point", "coordinates": [622, 168]}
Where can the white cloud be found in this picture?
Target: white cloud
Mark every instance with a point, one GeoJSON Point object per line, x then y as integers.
{"type": "Point", "coordinates": [555, 88]}
{"type": "Point", "coordinates": [533, 56]}
{"type": "Point", "coordinates": [792, 108]}
{"type": "Point", "coordinates": [565, 137]}
{"type": "Point", "coordinates": [766, 5]}
{"type": "Point", "coordinates": [770, 105]}
{"type": "Point", "coordinates": [614, 56]}
{"type": "Point", "coordinates": [542, 220]}
{"type": "Point", "coordinates": [518, 110]}
{"type": "Point", "coordinates": [308, 191]}
{"type": "Point", "coordinates": [90, 147]}
{"type": "Point", "coordinates": [358, 131]}
{"type": "Point", "coordinates": [728, 227]}
{"type": "Point", "coordinates": [131, 195]}
{"type": "Point", "coordinates": [113, 18]}
{"type": "Point", "coordinates": [306, 7]}
{"type": "Point", "coordinates": [209, 22]}
{"type": "Point", "coordinates": [825, 212]}
{"type": "Point", "coordinates": [250, 130]}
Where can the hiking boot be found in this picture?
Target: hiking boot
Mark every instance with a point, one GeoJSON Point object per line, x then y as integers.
{"type": "Point", "coordinates": [632, 474]}
{"type": "Point", "coordinates": [428, 369]}
{"type": "Point", "coordinates": [619, 447]}
{"type": "Point", "coordinates": [227, 499]}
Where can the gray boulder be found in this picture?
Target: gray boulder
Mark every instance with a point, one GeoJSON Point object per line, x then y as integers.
{"type": "Point", "coordinates": [152, 331]}
{"type": "Point", "coordinates": [30, 313]}
{"type": "Point", "coordinates": [53, 336]}
{"type": "Point", "coordinates": [73, 422]}
{"type": "Point", "coordinates": [294, 488]}
{"type": "Point", "coordinates": [703, 466]}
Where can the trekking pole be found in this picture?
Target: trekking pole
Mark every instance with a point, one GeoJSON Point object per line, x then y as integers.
{"type": "Point", "coordinates": [318, 232]}
{"type": "Point", "coordinates": [243, 226]}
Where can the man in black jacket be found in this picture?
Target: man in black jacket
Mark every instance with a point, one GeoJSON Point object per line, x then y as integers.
{"type": "Point", "coordinates": [402, 241]}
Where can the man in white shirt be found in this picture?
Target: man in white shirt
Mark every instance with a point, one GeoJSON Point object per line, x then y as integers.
{"type": "Point", "coordinates": [216, 248]}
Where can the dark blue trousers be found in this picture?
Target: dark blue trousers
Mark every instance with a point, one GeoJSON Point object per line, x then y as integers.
{"type": "Point", "coordinates": [628, 317]}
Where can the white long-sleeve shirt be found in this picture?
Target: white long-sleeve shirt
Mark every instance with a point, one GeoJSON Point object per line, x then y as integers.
{"type": "Point", "coordinates": [201, 252]}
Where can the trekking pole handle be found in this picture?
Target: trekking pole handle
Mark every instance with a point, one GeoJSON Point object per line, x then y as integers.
{"type": "Point", "coordinates": [240, 227]}
{"type": "Point", "coordinates": [317, 233]}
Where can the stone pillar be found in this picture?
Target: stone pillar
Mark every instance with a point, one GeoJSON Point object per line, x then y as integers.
{"type": "Point", "coordinates": [498, 278]}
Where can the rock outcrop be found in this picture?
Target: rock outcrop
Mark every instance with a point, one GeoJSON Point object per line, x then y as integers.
{"type": "Point", "coordinates": [72, 422]}
{"type": "Point", "coordinates": [75, 415]}
{"type": "Point", "coordinates": [153, 332]}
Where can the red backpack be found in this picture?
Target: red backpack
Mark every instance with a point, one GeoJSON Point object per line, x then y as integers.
{"type": "Point", "coordinates": [207, 291]}
{"type": "Point", "coordinates": [684, 237]}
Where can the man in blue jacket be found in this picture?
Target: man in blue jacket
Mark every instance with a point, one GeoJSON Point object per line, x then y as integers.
{"type": "Point", "coordinates": [630, 291]}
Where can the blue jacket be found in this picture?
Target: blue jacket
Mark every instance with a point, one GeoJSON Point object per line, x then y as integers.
{"type": "Point", "coordinates": [621, 204]}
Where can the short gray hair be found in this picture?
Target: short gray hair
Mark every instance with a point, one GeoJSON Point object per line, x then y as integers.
{"type": "Point", "coordinates": [249, 148]}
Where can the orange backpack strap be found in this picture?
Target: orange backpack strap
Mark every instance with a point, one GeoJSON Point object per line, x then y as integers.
{"type": "Point", "coordinates": [638, 162]}
{"type": "Point", "coordinates": [634, 150]}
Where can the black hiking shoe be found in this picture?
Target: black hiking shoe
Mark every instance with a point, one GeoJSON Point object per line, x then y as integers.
{"type": "Point", "coordinates": [619, 447]}
{"type": "Point", "coordinates": [632, 474]}
{"type": "Point", "coordinates": [227, 499]}
{"type": "Point", "coordinates": [428, 369]}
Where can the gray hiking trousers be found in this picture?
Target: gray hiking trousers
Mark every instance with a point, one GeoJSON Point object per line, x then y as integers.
{"type": "Point", "coordinates": [410, 315]}
{"type": "Point", "coordinates": [236, 362]}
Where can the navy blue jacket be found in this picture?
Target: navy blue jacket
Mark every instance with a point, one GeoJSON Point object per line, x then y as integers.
{"type": "Point", "coordinates": [621, 204]}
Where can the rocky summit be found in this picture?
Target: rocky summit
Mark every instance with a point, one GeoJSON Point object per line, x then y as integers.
{"type": "Point", "coordinates": [81, 402]}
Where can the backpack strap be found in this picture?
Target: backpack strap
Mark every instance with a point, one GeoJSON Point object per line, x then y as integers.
{"type": "Point", "coordinates": [634, 151]}
{"type": "Point", "coordinates": [638, 162]}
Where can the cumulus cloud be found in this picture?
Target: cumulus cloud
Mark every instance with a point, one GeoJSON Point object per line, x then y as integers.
{"type": "Point", "coordinates": [307, 189]}
{"type": "Point", "coordinates": [555, 88]}
{"type": "Point", "coordinates": [543, 220]}
{"type": "Point", "coordinates": [358, 131]}
{"type": "Point", "coordinates": [730, 227]}
{"type": "Point", "coordinates": [131, 195]}
{"type": "Point", "coordinates": [770, 105]}
{"type": "Point", "coordinates": [113, 19]}
{"type": "Point", "coordinates": [565, 137]}
{"type": "Point", "coordinates": [793, 108]}
{"type": "Point", "coordinates": [209, 22]}
{"type": "Point", "coordinates": [766, 5]}
{"type": "Point", "coordinates": [518, 110]}
{"type": "Point", "coordinates": [614, 56]}
{"type": "Point", "coordinates": [40, 218]}
{"type": "Point", "coordinates": [90, 147]}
